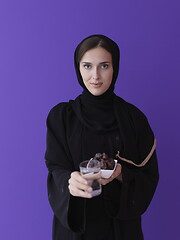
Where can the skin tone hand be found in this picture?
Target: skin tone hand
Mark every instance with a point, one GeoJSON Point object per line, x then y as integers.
{"type": "Point", "coordinates": [116, 174]}
{"type": "Point", "coordinates": [78, 185]}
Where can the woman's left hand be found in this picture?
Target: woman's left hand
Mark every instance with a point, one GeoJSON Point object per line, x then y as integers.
{"type": "Point", "coordinates": [117, 172]}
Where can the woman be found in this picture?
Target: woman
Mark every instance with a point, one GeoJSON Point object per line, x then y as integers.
{"type": "Point", "coordinates": [99, 121]}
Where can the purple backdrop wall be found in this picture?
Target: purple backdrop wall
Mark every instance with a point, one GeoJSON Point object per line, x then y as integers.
{"type": "Point", "coordinates": [37, 41]}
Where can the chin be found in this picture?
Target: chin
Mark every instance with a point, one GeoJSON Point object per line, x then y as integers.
{"type": "Point", "coordinates": [96, 93]}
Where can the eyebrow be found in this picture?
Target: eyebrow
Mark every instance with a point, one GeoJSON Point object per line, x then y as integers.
{"type": "Point", "coordinates": [99, 63]}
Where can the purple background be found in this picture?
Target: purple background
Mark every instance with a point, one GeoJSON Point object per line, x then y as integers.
{"type": "Point", "coordinates": [37, 41]}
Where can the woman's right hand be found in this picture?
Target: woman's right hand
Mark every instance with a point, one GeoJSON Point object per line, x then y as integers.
{"type": "Point", "coordinates": [78, 186]}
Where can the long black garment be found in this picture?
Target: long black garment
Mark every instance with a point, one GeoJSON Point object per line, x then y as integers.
{"type": "Point", "coordinates": [97, 216]}
{"type": "Point", "coordinates": [65, 150]}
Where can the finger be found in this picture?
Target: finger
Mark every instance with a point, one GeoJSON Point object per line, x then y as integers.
{"type": "Point", "coordinates": [77, 185]}
{"type": "Point", "coordinates": [104, 181]}
{"type": "Point", "coordinates": [78, 182]}
{"type": "Point", "coordinates": [79, 193]}
{"type": "Point", "coordinates": [77, 177]}
{"type": "Point", "coordinates": [116, 173]}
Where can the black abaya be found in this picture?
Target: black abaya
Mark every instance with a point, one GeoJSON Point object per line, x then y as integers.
{"type": "Point", "coordinates": [122, 203]}
{"type": "Point", "coordinates": [75, 132]}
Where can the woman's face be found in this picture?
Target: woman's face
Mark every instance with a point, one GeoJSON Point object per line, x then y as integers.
{"type": "Point", "coordinates": [97, 70]}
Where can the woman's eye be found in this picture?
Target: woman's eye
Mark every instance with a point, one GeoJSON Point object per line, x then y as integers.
{"type": "Point", "coordinates": [86, 66]}
{"type": "Point", "coordinates": [104, 66]}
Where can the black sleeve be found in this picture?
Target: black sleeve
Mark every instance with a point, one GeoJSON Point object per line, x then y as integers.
{"type": "Point", "coordinates": [139, 183]}
{"type": "Point", "coordinates": [138, 187]}
{"type": "Point", "coordinates": [59, 165]}
{"type": "Point", "coordinates": [69, 210]}
{"type": "Point", "coordinates": [131, 197]}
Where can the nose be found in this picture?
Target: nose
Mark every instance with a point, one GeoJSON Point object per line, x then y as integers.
{"type": "Point", "coordinates": [95, 74]}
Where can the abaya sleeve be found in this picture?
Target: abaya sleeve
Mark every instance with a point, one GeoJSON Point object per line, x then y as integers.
{"type": "Point", "coordinates": [139, 176]}
{"type": "Point", "coordinates": [138, 188]}
{"type": "Point", "coordinates": [60, 166]}
{"type": "Point", "coordinates": [58, 163]}
{"type": "Point", "coordinates": [130, 198]}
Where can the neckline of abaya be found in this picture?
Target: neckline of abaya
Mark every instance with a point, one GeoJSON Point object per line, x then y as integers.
{"type": "Point", "coordinates": [96, 112]}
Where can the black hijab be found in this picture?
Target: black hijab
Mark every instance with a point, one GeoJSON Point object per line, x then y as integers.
{"type": "Point", "coordinates": [108, 112]}
{"type": "Point", "coordinates": [96, 112]}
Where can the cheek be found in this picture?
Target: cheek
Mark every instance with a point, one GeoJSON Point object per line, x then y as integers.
{"type": "Point", "coordinates": [85, 76]}
{"type": "Point", "coordinates": [85, 80]}
{"type": "Point", "coordinates": [109, 83]}
{"type": "Point", "coordinates": [82, 74]}
{"type": "Point", "coordinates": [109, 77]}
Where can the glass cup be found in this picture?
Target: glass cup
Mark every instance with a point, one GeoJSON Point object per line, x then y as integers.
{"type": "Point", "coordinates": [91, 171]}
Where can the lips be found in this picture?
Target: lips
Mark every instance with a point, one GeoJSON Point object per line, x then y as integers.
{"type": "Point", "coordinates": [96, 85]}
